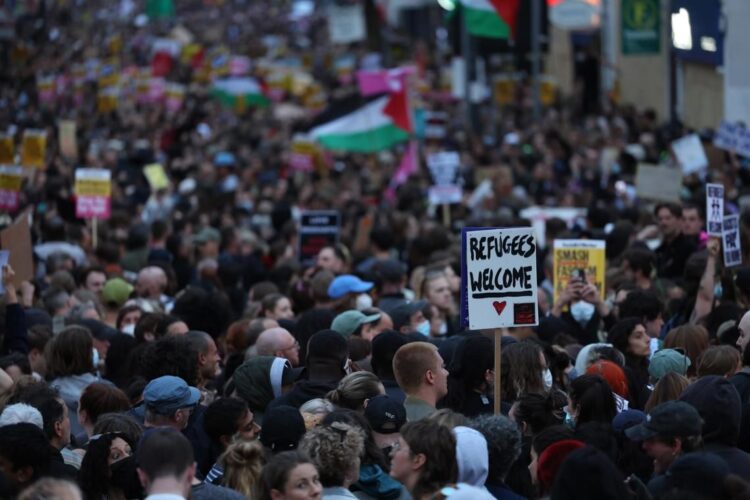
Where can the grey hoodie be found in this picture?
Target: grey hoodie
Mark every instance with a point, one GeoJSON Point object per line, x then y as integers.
{"type": "Point", "coordinates": [472, 456]}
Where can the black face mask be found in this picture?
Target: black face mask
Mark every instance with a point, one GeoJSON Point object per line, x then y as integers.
{"type": "Point", "coordinates": [125, 477]}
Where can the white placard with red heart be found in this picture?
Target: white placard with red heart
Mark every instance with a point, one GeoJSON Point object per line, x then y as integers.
{"type": "Point", "coordinates": [499, 280]}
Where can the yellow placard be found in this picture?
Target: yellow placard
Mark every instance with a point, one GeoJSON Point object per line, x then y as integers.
{"type": "Point", "coordinates": [573, 256]}
{"type": "Point", "coordinates": [547, 92]}
{"type": "Point", "coordinates": [504, 91]}
{"type": "Point", "coordinates": [7, 150]}
{"type": "Point", "coordinates": [93, 187]}
{"type": "Point", "coordinates": [156, 176]}
{"type": "Point", "coordinates": [33, 148]}
{"type": "Point", "coordinates": [10, 181]}
{"type": "Point", "coordinates": [107, 100]}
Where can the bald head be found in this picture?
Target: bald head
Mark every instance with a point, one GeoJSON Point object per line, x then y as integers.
{"type": "Point", "coordinates": [151, 283]}
{"type": "Point", "coordinates": [278, 342]}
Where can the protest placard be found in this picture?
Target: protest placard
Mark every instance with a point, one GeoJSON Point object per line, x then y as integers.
{"type": "Point", "coordinates": [11, 178]}
{"type": "Point", "coordinates": [318, 229]}
{"type": "Point", "coordinates": [346, 23]}
{"type": "Point", "coordinates": [156, 176]}
{"type": "Point", "coordinates": [16, 238]}
{"type": "Point", "coordinates": [733, 137]}
{"type": "Point", "coordinates": [33, 148]}
{"type": "Point", "coordinates": [714, 209]}
{"type": "Point", "coordinates": [658, 182]}
{"type": "Point", "coordinates": [579, 257]}
{"type": "Point", "coordinates": [7, 150]}
{"type": "Point", "coordinates": [690, 154]}
{"type": "Point", "coordinates": [540, 215]}
{"type": "Point", "coordinates": [93, 189]}
{"type": "Point", "coordinates": [498, 278]}
{"type": "Point", "coordinates": [731, 241]}
{"type": "Point", "coordinates": [444, 169]}
{"type": "Point", "coordinates": [66, 131]}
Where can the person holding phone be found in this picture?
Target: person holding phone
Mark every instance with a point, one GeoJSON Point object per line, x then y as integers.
{"type": "Point", "coordinates": [581, 307]}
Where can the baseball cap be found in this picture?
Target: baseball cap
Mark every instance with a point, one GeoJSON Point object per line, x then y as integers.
{"type": "Point", "coordinates": [666, 361]}
{"type": "Point", "coordinates": [283, 427]}
{"type": "Point", "coordinates": [224, 159]}
{"type": "Point", "coordinates": [627, 419]}
{"type": "Point", "coordinates": [669, 419]}
{"type": "Point", "coordinates": [207, 234]}
{"type": "Point", "coordinates": [389, 271]}
{"type": "Point", "coordinates": [401, 315]}
{"type": "Point", "coordinates": [347, 283]}
{"type": "Point", "coordinates": [116, 291]}
{"type": "Point", "coordinates": [697, 472]}
{"type": "Point", "coordinates": [385, 414]}
{"type": "Point", "coordinates": [347, 322]}
{"type": "Point", "coordinates": [167, 394]}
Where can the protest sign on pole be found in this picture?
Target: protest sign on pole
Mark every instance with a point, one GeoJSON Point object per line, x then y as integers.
{"type": "Point", "coordinates": [733, 137]}
{"type": "Point", "coordinates": [499, 288]}
{"type": "Point", "coordinates": [690, 154]}
{"type": "Point", "coordinates": [66, 130]}
{"type": "Point", "coordinates": [16, 238]}
{"type": "Point", "coordinates": [714, 209]}
{"type": "Point", "coordinates": [581, 257]}
{"type": "Point", "coordinates": [93, 189]}
{"type": "Point", "coordinates": [318, 229]}
{"type": "Point", "coordinates": [33, 148]}
{"type": "Point", "coordinates": [444, 169]}
{"type": "Point", "coordinates": [11, 178]}
{"type": "Point", "coordinates": [731, 241]}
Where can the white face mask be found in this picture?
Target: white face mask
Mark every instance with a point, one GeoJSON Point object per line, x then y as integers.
{"type": "Point", "coordinates": [547, 377]}
{"type": "Point", "coordinates": [128, 329]}
{"type": "Point", "coordinates": [582, 311]}
{"type": "Point", "coordinates": [424, 328]}
{"type": "Point", "coordinates": [364, 301]}
{"type": "Point", "coordinates": [95, 358]}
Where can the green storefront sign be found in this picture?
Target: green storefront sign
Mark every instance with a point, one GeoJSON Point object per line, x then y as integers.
{"type": "Point", "coordinates": [641, 32]}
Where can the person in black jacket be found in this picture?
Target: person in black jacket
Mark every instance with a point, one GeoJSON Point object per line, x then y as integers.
{"type": "Point", "coordinates": [630, 338]}
{"type": "Point", "coordinates": [471, 377]}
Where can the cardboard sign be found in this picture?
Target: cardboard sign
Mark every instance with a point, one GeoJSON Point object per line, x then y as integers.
{"type": "Point", "coordinates": [446, 186]}
{"type": "Point", "coordinates": [33, 148]}
{"type": "Point", "coordinates": [586, 257]}
{"type": "Point", "coordinates": [11, 179]}
{"type": "Point", "coordinates": [156, 176]}
{"type": "Point", "coordinates": [93, 191]}
{"type": "Point", "coordinates": [735, 138]}
{"type": "Point", "coordinates": [714, 209]}
{"type": "Point", "coordinates": [16, 238]}
{"type": "Point", "coordinates": [346, 24]}
{"type": "Point", "coordinates": [318, 229]}
{"type": "Point", "coordinates": [690, 154]}
{"type": "Point", "coordinates": [657, 182]}
{"type": "Point", "coordinates": [731, 241]}
{"type": "Point", "coordinates": [7, 150]}
{"type": "Point", "coordinates": [66, 131]}
{"type": "Point", "coordinates": [498, 278]}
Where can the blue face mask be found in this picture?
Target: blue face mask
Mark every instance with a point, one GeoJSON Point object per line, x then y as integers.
{"type": "Point", "coordinates": [569, 419]}
{"type": "Point", "coordinates": [424, 328]}
{"type": "Point", "coordinates": [718, 291]}
{"type": "Point", "coordinates": [582, 311]}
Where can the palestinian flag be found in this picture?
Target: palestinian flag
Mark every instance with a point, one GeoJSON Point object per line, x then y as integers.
{"type": "Point", "coordinates": [376, 126]}
{"type": "Point", "coordinates": [239, 92]}
{"type": "Point", "coordinates": [491, 18]}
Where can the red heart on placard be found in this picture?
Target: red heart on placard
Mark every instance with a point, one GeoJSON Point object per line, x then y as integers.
{"type": "Point", "coordinates": [499, 307]}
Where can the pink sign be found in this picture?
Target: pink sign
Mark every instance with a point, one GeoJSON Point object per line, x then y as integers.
{"type": "Point", "coordinates": [93, 207]}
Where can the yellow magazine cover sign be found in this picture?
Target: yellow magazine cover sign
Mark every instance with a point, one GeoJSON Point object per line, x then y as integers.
{"type": "Point", "coordinates": [573, 256]}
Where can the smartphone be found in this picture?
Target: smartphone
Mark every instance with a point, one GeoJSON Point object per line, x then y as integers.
{"type": "Point", "coordinates": [579, 274]}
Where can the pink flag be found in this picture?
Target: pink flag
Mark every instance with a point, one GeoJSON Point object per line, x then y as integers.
{"type": "Point", "coordinates": [382, 80]}
{"type": "Point", "coordinates": [409, 165]}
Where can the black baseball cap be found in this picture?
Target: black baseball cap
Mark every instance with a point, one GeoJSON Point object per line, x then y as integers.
{"type": "Point", "coordinates": [385, 414]}
{"type": "Point", "coordinates": [669, 419]}
{"type": "Point", "coordinates": [402, 314]}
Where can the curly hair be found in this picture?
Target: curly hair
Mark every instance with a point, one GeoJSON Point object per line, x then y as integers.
{"type": "Point", "coordinates": [170, 356]}
{"type": "Point", "coordinates": [354, 389]}
{"type": "Point", "coordinates": [438, 444]}
{"type": "Point", "coordinates": [243, 463]}
{"type": "Point", "coordinates": [503, 443]}
{"type": "Point", "coordinates": [335, 450]}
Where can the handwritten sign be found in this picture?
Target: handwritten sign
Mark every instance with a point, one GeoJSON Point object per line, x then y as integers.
{"type": "Point", "coordinates": [714, 209]}
{"type": "Point", "coordinates": [443, 168]}
{"type": "Point", "coordinates": [573, 256]}
{"type": "Point", "coordinates": [10, 187]}
{"type": "Point", "coordinates": [734, 138]}
{"type": "Point", "coordinates": [318, 229]}
{"type": "Point", "coordinates": [690, 154]}
{"type": "Point", "coordinates": [731, 241]}
{"type": "Point", "coordinates": [93, 189]}
{"type": "Point", "coordinates": [499, 283]}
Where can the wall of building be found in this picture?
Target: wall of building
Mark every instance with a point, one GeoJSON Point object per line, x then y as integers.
{"type": "Point", "coordinates": [703, 95]}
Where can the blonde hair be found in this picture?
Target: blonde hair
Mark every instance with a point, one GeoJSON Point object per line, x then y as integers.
{"type": "Point", "coordinates": [354, 389]}
{"type": "Point", "coordinates": [335, 450]}
{"type": "Point", "coordinates": [243, 463]}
